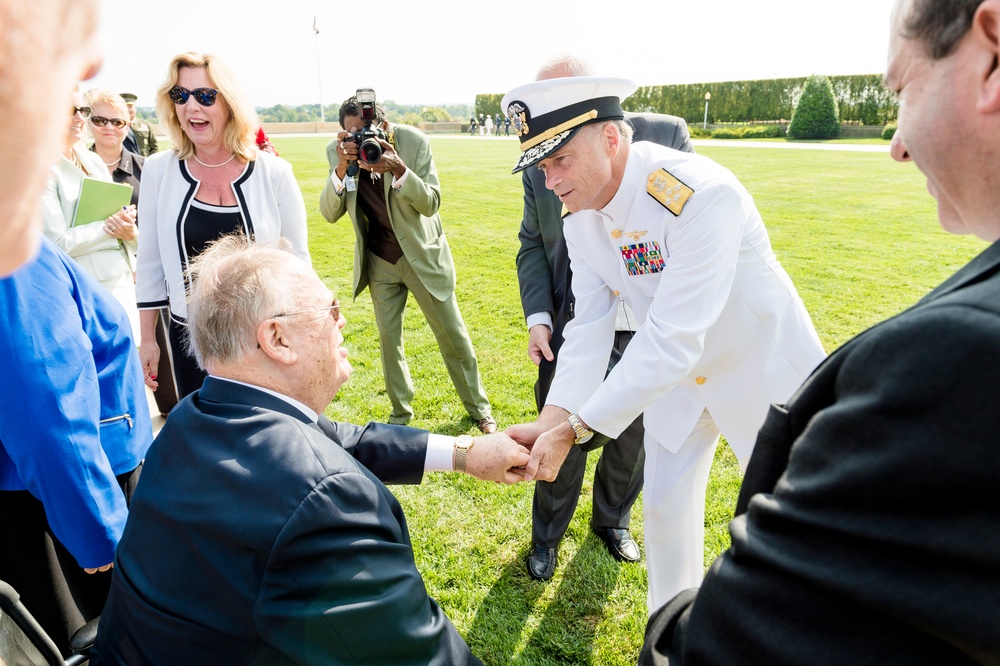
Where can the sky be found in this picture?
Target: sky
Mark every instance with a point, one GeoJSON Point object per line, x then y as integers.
{"type": "Point", "coordinates": [441, 52]}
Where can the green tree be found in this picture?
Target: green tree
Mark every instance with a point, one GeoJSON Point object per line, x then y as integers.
{"type": "Point", "coordinates": [434, 114]}
{"type": "Point", "coordinates": [815, 115]}
{"type": "Point", "coordinates": [409, 118]}
{"type": "Point", "coordinates": [489, 105]}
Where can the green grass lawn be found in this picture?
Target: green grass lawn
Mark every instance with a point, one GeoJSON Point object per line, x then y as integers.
{"type": "Point", "coordinates": [856, 231]}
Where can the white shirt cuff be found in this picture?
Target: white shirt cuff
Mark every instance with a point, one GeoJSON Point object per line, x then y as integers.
{"type": "Point", "coordinates": [398, 182]}
{"type": "Point", "coordinates": [539, 318]}
{"type": "Point", "coordinates": [439, 453]}
{"type": "Point", "coordinates": [338, 184]}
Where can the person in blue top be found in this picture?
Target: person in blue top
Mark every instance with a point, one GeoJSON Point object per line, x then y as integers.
{"type": "Point", "coordinates": [74, 428]}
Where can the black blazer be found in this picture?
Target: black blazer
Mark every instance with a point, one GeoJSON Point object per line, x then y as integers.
{"type": "Point", "coordinates": [256, 538]}
{"type": "Point", "coordinates": [872, 505]}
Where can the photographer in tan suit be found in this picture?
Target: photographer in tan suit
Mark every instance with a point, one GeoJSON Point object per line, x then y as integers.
{"type": "Point", "coordinates": [401, 247]}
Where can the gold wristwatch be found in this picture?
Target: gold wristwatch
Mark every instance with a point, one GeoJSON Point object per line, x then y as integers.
{"type": "Point", "coordinates": [583, 433]}
{"type": "Point", "coordinates": [463, 443]}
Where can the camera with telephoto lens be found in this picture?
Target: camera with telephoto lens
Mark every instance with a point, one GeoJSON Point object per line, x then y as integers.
{"type": "Point", "coordinates": [366, 139]}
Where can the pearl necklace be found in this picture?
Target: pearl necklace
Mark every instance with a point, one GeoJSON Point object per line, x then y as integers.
{"type": "Point", "coordinates": [214, 166]}
{"type": "Point", "coordinates": [111, 164]}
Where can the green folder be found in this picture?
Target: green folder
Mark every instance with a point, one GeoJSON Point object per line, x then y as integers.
{"type": "Point", "coordinates": [100, 199]}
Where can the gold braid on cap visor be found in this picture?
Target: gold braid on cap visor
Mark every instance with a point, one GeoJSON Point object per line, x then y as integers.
{"type": "Point", "coordinates": [570, 117]}
{"type": "Point", "coordinates": [559, 129]}
{"type": "Point", "coordinates": [538, 151]}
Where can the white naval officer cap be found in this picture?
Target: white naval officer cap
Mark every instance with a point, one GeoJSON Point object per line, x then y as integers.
{"type": "Point", "coordinates": [546, 114]}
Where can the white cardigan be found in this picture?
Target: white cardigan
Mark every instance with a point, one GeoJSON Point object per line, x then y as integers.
{"type": "Point", "coordinates": [99, 254]}
{"type": "Point", "coordinates": [269, 200]}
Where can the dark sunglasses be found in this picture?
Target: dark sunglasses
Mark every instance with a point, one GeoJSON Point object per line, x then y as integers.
{"type": "Point", "coordinates": [101, 121]}
{"type": "Point", "coordinates": [205, 96]}
{"type": "Point", "coordinates": [82, 110]}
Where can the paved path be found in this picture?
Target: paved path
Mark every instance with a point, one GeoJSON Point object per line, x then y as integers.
{"type": "Point", "coordinates": [741, 143]}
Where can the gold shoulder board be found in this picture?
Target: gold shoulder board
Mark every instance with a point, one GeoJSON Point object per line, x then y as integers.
{"type": "Point", "coordinates": [670, 192]}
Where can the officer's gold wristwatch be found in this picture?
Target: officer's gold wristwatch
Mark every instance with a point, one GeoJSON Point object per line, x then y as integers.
{"type": "Point", "coordinates": [463, 443]}
{"type": "Point", "coordinates": [583, 433]}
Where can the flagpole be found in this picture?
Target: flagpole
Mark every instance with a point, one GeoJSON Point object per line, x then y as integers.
{"type": "Point", "coordinates": [319, 72]}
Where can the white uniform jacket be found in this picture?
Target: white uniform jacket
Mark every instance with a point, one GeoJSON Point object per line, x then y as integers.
{"type": "Point", "coordinates": [269, 200]}
{"type": "Point", "coordinates": [720, 324]}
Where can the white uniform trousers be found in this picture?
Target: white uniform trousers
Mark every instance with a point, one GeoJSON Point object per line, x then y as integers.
{"type": "Point", "coordinates": [674, 511]}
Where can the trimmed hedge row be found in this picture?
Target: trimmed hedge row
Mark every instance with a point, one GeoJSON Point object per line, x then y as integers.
{"type": "Point", "coordinates": [861, 98]}
{"type": "Point", "coordinates": [739, 132]}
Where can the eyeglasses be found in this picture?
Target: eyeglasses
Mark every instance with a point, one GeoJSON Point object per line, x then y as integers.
{"type": "Point", "coordinates": [82, 110]}
{"type": "Point", "coordinates": [335, 307]}
{"type": "Point", "coordinates": [205, 96]}
{"type": "Point", "coordinates": [101, 121]}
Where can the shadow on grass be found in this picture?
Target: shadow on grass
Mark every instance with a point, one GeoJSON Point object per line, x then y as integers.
{"type": "Point", "coordinates": [563, 628]}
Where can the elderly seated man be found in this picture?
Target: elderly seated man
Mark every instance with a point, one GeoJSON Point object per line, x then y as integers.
{"type": "Point", "coordinates": [261, 532]}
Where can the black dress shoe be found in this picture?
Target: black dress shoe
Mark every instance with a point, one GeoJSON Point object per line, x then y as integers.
{"type": "Point", "coordinates": [541, 562]}
{"type": "Point", "coordinates": [619, 543]}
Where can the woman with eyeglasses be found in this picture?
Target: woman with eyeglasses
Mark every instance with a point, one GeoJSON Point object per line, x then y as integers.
{"type": "Point", "coordinates": [109, 122]}
{"type": "Point", "coordinates": [103, 248]}
{"type": "Point", "coordinates": [213, 182]}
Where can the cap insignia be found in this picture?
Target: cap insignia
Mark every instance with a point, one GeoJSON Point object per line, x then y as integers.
{"type": "Point", "coordinates": [518, 115]}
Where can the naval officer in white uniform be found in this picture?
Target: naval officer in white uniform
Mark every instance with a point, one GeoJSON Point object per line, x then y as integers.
{"type": "Point", "coordinates": [720, 331]}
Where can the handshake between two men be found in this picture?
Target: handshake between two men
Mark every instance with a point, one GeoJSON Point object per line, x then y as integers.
{"type": "Point", "coordinates": [527, 451]}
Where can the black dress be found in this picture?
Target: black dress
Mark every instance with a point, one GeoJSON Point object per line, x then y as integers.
{"type": "Point", "coordinates": [204, 223]}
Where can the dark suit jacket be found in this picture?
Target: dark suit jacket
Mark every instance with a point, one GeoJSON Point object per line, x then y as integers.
{"type": "Point", "coordinates": [872, 505]}
{"type": "Point", "coordinates": [543, 271]}
{"type": "Point", "coordinates": [258, 539]}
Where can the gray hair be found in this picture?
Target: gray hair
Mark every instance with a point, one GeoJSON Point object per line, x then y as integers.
{"type": "Point", "coordinates": [235, 284]}
{"type": "Point", "coordinates": [940, 24]}
{"type": "Point", "coordinates": [623, 127]}
{"type": "Point", "coordinates": [563, 66]}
